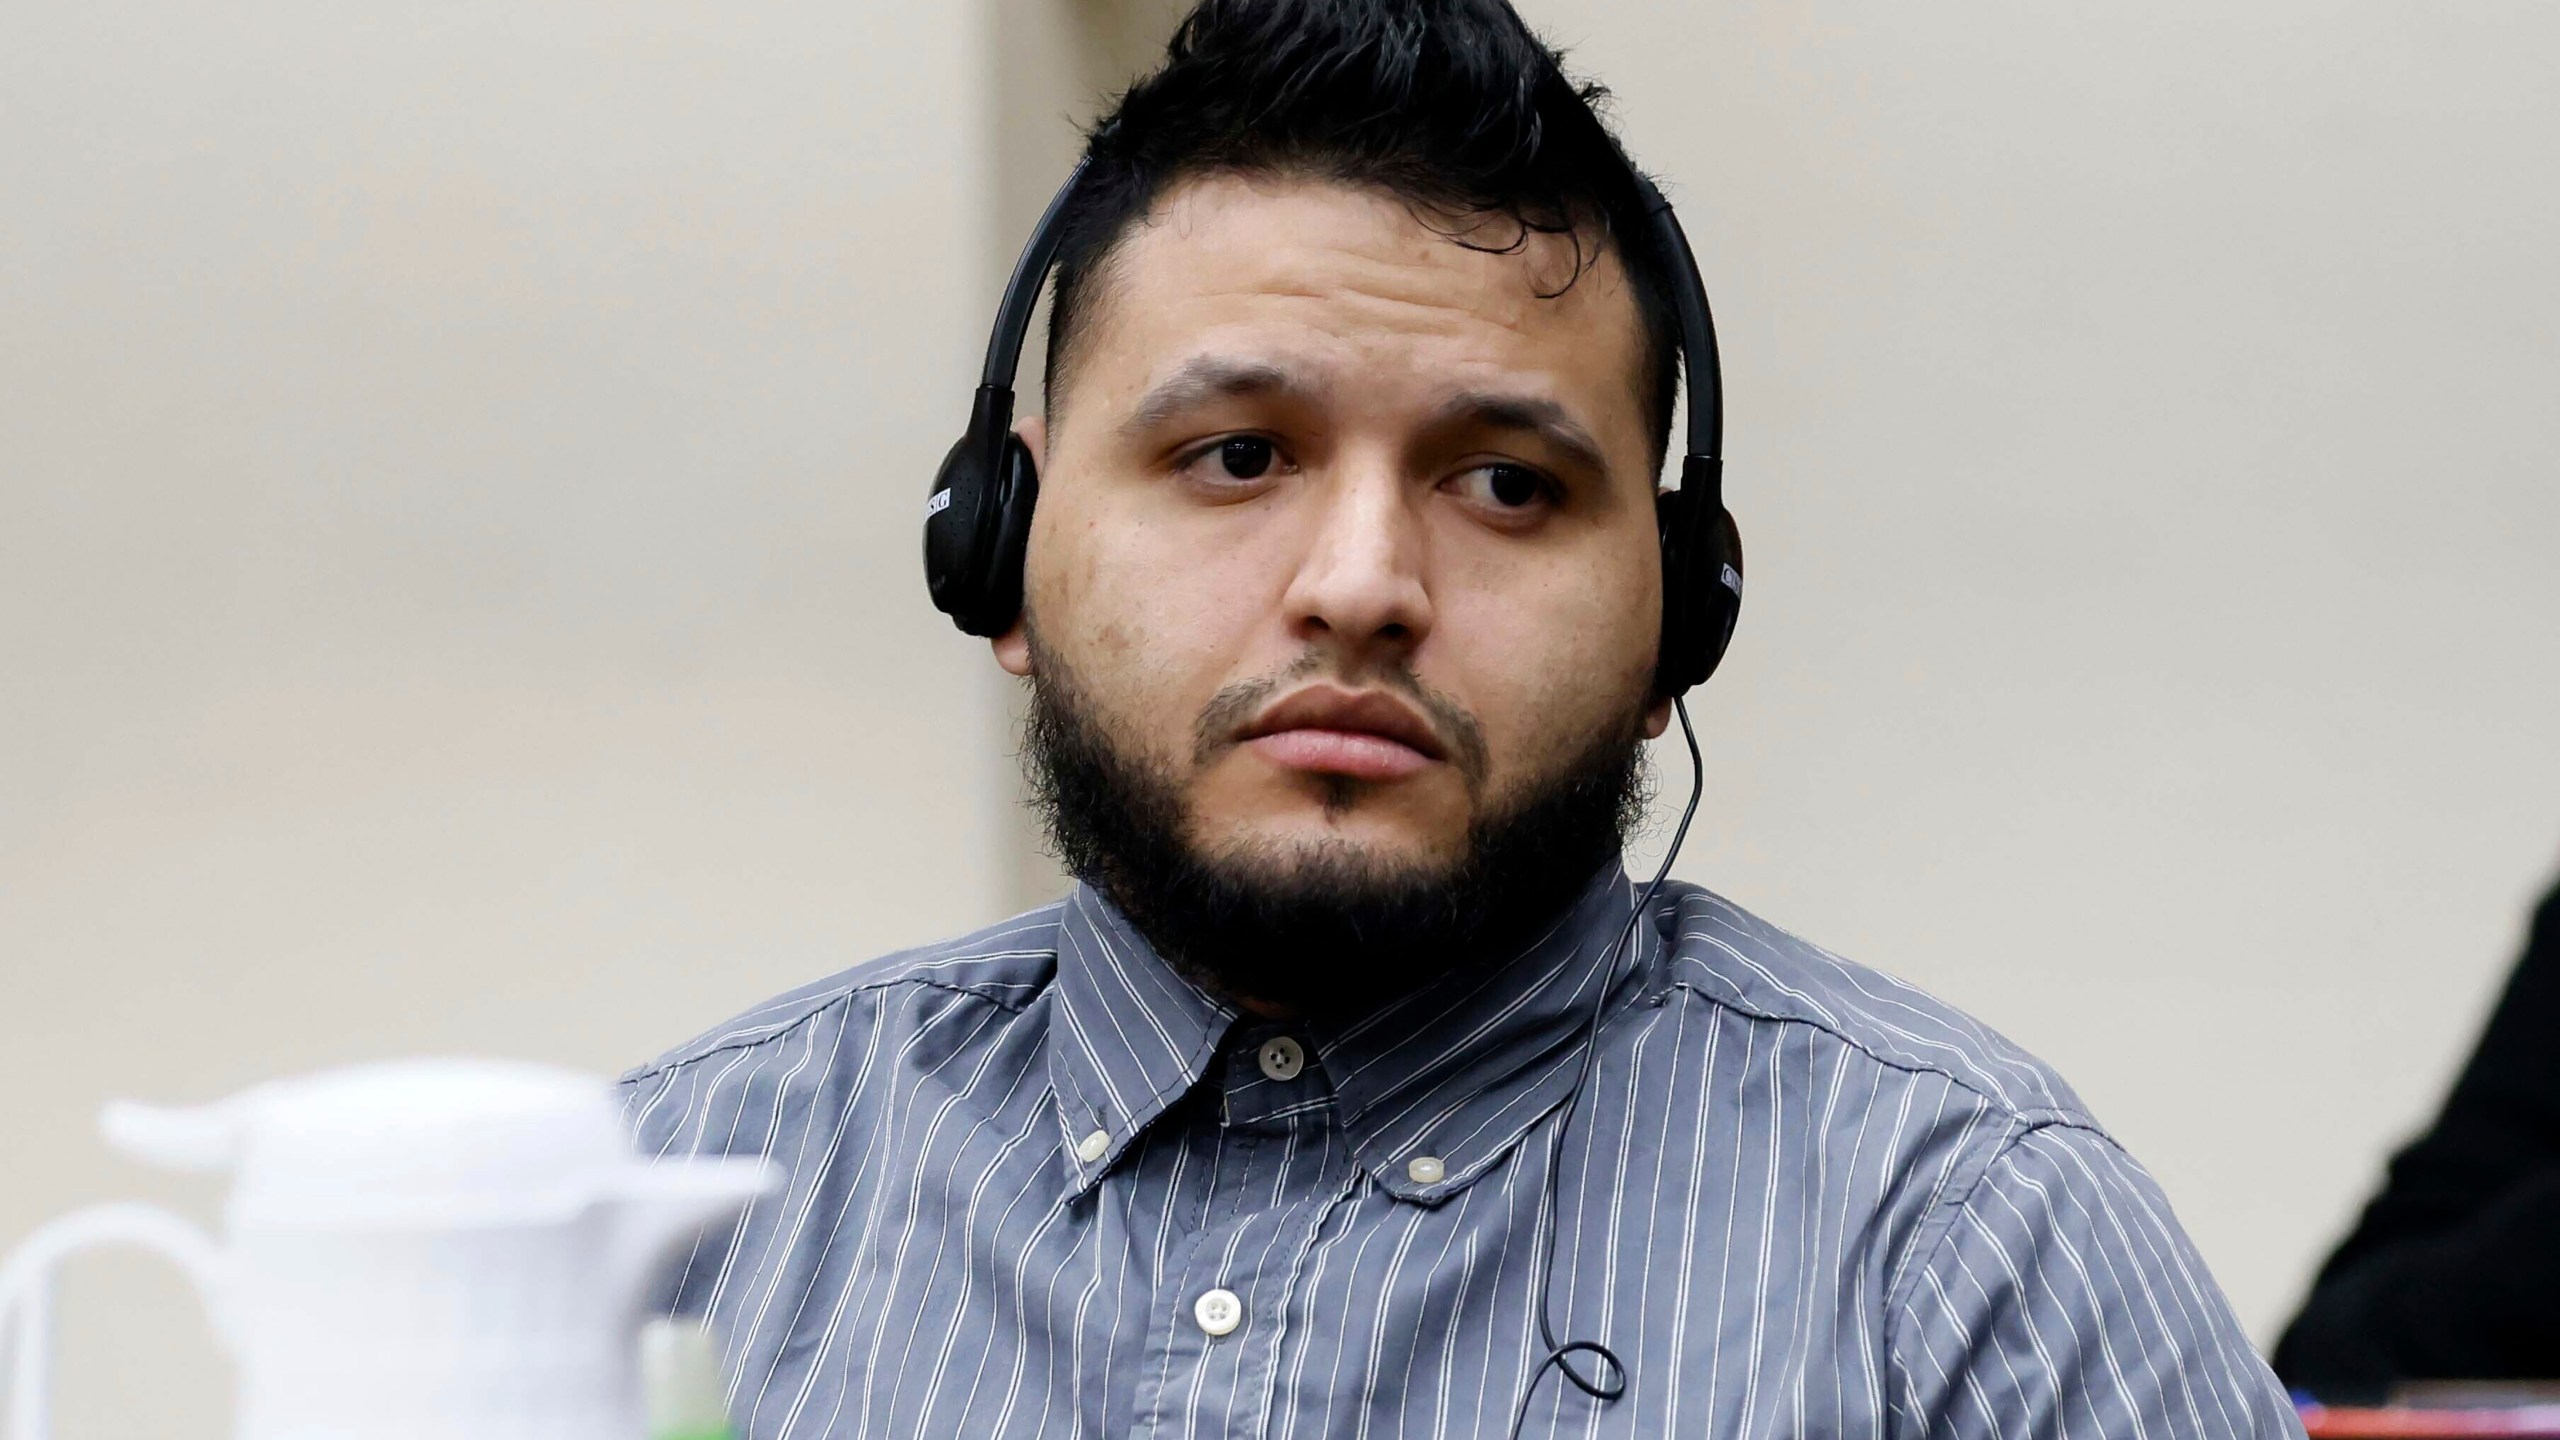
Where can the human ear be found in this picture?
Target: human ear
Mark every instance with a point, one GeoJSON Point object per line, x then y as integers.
{"type": "Point", "coordinates": [1013, 647]}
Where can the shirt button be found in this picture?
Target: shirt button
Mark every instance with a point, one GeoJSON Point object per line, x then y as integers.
{"type": "Point", "coordinates": [1219, 1312]}
{"type": "Point", "coordinates": [1091, 1147]}
{"type": "Point", "coordinates": [1426, 1170]}
{"type": "Point", "coordinates": [1282, 1058]}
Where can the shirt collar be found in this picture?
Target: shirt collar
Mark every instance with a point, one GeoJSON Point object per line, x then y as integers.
{"type": "Point", "coordinates": [1128, 1036]}
{"type": "Point", "coordinates": [1463, 1068]}
{"type": "Point", "coordinates": [1459, 1070]}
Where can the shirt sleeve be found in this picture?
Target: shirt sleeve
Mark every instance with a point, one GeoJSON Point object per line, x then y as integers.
{"type": "Point", "coordinates": [2063, 1300]}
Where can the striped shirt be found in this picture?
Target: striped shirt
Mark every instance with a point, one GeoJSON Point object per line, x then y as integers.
{"type": "Point", "coordinates": [1041, 1185]}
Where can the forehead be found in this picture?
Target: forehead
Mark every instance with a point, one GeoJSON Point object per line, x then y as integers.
{"type": "Point", "coordinates": [1351, 284]}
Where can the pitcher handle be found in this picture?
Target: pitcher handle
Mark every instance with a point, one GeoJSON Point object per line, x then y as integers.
{"type": "Point", "coordinates": [25, 1282]}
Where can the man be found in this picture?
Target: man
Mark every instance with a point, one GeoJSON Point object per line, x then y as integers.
{"type": "Point", "coordinates": [2453, 1272]}
{"type": "Point", "coordinates": [1341, 614]}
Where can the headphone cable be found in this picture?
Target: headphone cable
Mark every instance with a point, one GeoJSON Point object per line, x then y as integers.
{"type": "Point", "coordinates": [1609, 1378]}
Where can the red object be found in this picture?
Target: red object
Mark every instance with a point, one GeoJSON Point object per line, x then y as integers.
{"type": "Point", "coordinates": [2400, 1422]}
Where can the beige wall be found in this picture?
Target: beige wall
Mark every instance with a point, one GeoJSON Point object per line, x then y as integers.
{"type": "Point", "coordinates": [459, 482]}
{"type": "Point", "coordinates": [457, 577]}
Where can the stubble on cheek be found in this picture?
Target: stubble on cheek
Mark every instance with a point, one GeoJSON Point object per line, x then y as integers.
{"type": "Point", "coordinates": [1566, 727]}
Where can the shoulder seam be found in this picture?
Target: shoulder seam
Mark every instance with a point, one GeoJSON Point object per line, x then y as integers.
{"type": "Point", "coordinates": [2033, 1116]}
{"type": "Point", "coordinates": [818, 1007]}
{"type": "Point", "coordinates": [1937, 1230]}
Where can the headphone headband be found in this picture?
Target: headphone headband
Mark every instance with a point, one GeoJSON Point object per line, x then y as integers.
{"type": "Point", "coordinates": [1022, 291]}
{"type": "Point", "coordinates": [1697, 325]}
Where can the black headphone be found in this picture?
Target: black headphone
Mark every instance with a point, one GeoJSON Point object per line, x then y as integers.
{"type": "Point", "coordinates": [977, 520]}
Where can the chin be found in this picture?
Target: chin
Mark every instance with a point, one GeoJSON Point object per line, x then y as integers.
{"type": "Point", "coordinates": [1290, 838]}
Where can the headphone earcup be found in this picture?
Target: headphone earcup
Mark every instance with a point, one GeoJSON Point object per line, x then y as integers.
{"type": "Point", "coordinates": [977, 522]}
{"type": "Point", "coordinates": [1701, 590]}
{"type": "Point", "coordinates": [1017, 491]}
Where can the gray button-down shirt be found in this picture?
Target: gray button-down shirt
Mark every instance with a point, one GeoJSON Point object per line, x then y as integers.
{"type": "Point", "coordinates": [1040, 1185]}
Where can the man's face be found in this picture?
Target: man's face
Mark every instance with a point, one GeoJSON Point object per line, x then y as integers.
{"type": "Point", "coordinates": [1346, 527]}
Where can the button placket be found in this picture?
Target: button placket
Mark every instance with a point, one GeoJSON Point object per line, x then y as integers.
{"type": "Point", "coordinates": [1215, 1339]}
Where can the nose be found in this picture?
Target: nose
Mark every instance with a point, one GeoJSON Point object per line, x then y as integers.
{"type": "Point", "coordinates": [1360, 590]}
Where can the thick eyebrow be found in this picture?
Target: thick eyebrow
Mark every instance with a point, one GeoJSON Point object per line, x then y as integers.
{"type": "Point", "coordinates": [1527, 414]}
{"type": "Point", "coordinates": [1203, 378]}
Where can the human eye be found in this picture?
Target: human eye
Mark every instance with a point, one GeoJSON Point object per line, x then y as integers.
{"type": "Point", "coordinates": [1510, 492]}
{"type": "Point", "coordinates": [1235, 463]}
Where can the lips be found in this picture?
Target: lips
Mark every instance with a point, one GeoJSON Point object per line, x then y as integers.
{"type": "Point", "coordinates": [1367, 735]}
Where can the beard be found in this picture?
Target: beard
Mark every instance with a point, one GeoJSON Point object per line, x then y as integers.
{"type": "Point", "coordinates": [1326, 927]}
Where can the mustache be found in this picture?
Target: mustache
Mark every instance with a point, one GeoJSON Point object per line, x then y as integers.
{"type": "Point", "coordinates": [1233, 707]}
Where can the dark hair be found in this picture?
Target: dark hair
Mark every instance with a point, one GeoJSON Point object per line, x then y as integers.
{"type": "Point", "coordinates": [1452, 105]}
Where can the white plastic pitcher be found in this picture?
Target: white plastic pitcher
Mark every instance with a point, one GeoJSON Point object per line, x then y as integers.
{"type": "Point", "coordinates": [420, 1250]}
